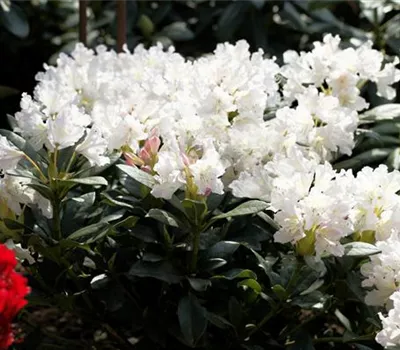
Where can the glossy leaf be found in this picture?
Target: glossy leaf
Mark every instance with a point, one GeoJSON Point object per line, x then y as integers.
{"type": "Point", "coordinates": [192, 319]}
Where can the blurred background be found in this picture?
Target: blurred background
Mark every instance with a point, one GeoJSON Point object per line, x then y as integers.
{"type": "Point", "coordinates": [33, 32]}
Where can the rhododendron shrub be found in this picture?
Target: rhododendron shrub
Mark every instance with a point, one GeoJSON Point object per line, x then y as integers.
{"type": "Point", "coordinates": [175, 203]}
{"type": "Point", "coordinates": [13, 290]}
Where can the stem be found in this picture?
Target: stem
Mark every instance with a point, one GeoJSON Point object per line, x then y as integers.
{"type": "Point", "coordinates": [55, 154]}
{"type": "Point", "coordinates": [124, 343]}
{"type": "Point", "coordinates": [341, 340]}
{"type": "Point", "coordinates": [30, 160]}
{"type": "Point", "coordinates": [56, 218]}
{"type": "Point", "coordinates": [269, 315]}
{"type": "Point", "coordinates": [195, 253]}
{"type": "Point", "coordinates": [70, 162]}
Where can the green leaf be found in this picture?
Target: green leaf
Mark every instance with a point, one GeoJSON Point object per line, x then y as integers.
{"type": "Point", "coordinates": [44, 190]}
{"type": "Point", "coordinates": [6, 91]}
{"type": "Point", "coordinates": [248, 208]}
{"type": "Point", "coordinates": [145, 25]}
{"type": "Point", "coordinates": [393, 160]}
{"type": "Point", "coordinates": [290, 13]}
{"type": "Point", "coordinates": [302, 341]}
{"type": "Point", "coordinates": [365, 158]}
{"type": "Point", "coordinates": [92, 181]}
{"type": "Point", "coordinates": [212, 264]}
{"type": "Point", "coordinates": [199, 284]}
{"type": "Point", "coordinates": [192, 319]}
{"type": "Point", "coordinates": [15, 21]}
{"type": "Point", "coordinates": [128, 222]}
{"type": "Point", "coordinates": [222, 249]}
{"type": "Point", "coordinates": [163, 271]}
{"type": "Point", "coordinates": [314, 300]}
{"type": "Point", "coordinates": [360, 249]}
{"type": "Point", "coordinates": [237, 273]}
{"type": "Point", "coordinates": [195, 210]}
{"type": "Point", "coordinates": [258, 4]}
{"type": "Point", "coordinates": [138, 175]}
{"type": "Point", "coordinates": [178, 31]}
{"type": "Point", "coordinates": [20, 143]}
{"type": "Point", "coordinates": [314, 286]}
{"type": "Point", "coordinates": [252, 284]}
{"type": "Point", "coordinates": [88, 231]}
{"type": "Point", "coordinates": [218, 321]}
{"type": "Point", "coordinates": [235, 311]}
{"type": "Point", "coordinates": [280, 291]}
{"type": "Point", "coordinates": [231, 19]}
{"type": "Point", "coordinates": [163, 217]}
{"type": "Point", "coordinates": [268, 220]}
{"type": "Point", "coordinates": [266, 264]}
{"type": "Point", "coordinates": [113, 202]}
{"type": "Point", "coordinates": [387, 111]}
{"type": "Point", "coordinates": [343, 320]}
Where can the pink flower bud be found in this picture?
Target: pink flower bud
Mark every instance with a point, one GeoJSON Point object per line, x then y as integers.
{"type": "Point", "coordinates": [132, 159]}
{"type": "Point", "coordinates": [145, 155]}
{"type": "Point", "coordinates": [207, 192]}
{"type": "Point", "coordinates": [152, 145]}
{"type": "Point", "coordinates": [185, 159]}
{"type": "Point", "coordinates": [146, 168]}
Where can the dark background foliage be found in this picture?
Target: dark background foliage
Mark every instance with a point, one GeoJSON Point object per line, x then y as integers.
{"type": "Point", "coordinates": [35, 31]}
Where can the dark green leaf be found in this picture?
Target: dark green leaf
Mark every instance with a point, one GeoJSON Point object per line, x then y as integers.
{"type": "Point", "coordinates": [314, 300]}
{"type": "Point", "coordinates": [365, 158]}
{"type": "Point", "coordinates": [218, 321]}
{"type": "Point", "coordinates": [20, 143]}
{"type": "Point", "coordinates": [138, 175]}
{"type": "Point", "coordinates": [387, 111]}
{"type": "Point", "coordinates": [178, 31]}
{"type": "Point", "coordinates": [231, 19]}
{"type": "Point", "coordinates": [223, 249]}
{"type": "Point", "coordinates": [213, 264]}
{"type": "Point", "coordinates": [163, 271]}
{"type": "Point", "coordinates": [92, 181]}
{"type": "Point", "coordinates": [237, 273]}
{"type": "Point", "coordinates": [6, 91]}
{"type": "Point", "coordinates": [258, 3]}
{"type": "Point", "coordinates": [248, 208]}
{"type": "Point", "coordinates": [302, 341]}
{"type": "Point", "coordinates": [343, 320]}
{"type": "Point", "coordinates": [235, 311]}
{"type": "Point", "coordinates": [360, 249]}
{"type": "Point", "coordinates": [199, 284]}
{"type": "Point", "coordinates": [44, 190]}
{"type": "Point", "coordinates": [195, 210]}
{"type": "Point", "coordinates": [163, 217]}
{"type": "Point", "coordinates": [15, 21]}
{"type": "Point", "coordinates": [192, 319]}
{"type": "Point", "coordinates": [90, 230]}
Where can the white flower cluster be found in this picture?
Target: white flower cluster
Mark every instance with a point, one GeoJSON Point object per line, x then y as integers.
{"type": "Point", "coordinates": [383, 272]}
{"type": "Point", "coordinates": [199, 125]}
{"type": "Point", "coordinates": [316, 205]}
{"type": "Point", "coordinates": [389, 336]}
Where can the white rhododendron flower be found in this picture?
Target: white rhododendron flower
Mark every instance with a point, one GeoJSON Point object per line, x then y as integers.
{"type": "Point", "coordinates": [212, 117]}
{"type": "Point", "coordinates": [389, 336]}
{"type": "Point", "coordinates": [16, 193]}
{"type": "Point", "coordinates": [377, 205]}
{"type": "Point", "coordinates": [21, 253]}
{"type": "Point", "coordinates": [9, 154]}
{"type": "Point", "coordinates": [382, 272]}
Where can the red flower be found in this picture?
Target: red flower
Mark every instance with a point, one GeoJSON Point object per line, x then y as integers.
{"type": "Point", "coordinates": [13, 290]}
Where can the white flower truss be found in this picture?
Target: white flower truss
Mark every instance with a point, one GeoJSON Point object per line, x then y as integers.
{"type": "Point", "coordinates": [208, 116]}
